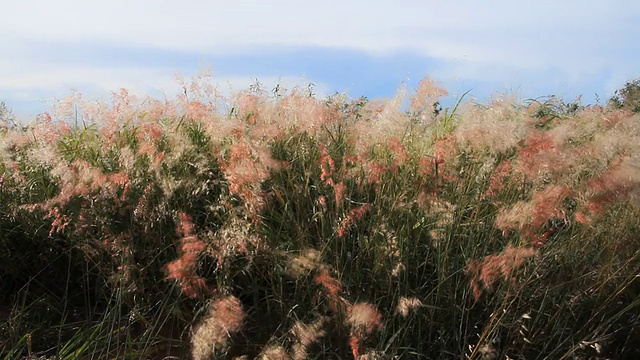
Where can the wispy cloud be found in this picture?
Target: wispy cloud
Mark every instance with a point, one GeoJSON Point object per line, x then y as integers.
{"type": "Point", "coordinates": [50, 46]}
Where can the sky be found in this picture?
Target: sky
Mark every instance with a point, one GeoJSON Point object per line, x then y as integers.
{"type": "Point", "coordinates": [566, 48]}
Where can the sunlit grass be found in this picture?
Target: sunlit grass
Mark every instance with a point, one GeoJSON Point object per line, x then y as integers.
{"type": "Point", "coordinates": [292, 227]}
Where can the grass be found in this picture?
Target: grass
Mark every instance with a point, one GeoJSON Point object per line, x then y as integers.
{"type": "Point", "coordinates": [291, 227]}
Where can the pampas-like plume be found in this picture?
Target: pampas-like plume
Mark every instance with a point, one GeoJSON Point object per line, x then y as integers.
{"type": "Point", "coordinates": [212, 335]}
{"type": "Point", "coordinates": [364, 319]}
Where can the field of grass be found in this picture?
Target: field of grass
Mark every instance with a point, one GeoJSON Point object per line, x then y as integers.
{"type": "Point", "coordinates": [277, 225]}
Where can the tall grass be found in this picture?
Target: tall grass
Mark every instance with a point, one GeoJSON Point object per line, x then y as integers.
{"type": "Point", "coordinates": [292, 227]}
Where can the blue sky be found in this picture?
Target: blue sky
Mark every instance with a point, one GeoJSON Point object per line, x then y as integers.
{"type": "Point", "coordinates": [567, 48]}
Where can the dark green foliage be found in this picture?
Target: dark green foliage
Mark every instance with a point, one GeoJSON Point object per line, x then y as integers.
{"type": "Point", "coordinates": [627, 97]}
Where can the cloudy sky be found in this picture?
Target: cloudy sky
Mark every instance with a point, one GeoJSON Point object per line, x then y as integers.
{"type": "Point", "coordinates": [533, 48]}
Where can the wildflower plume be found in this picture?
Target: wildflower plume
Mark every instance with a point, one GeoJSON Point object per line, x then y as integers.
{"type": "Point", "coordinates": [225, 318]}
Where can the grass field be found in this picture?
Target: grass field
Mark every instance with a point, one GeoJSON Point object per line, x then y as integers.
{"type": "Point", "coordinates": [277, 225]}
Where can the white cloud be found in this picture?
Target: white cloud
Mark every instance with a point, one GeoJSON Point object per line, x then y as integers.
{"type": "Point", "coordinates": [509, 32]}
{"type": "Point", "coordinates": [491, 40]}
{"type": "Point", "coordinates": [368, 25]}
{"type": "Point", "coordinates": [65, 78]}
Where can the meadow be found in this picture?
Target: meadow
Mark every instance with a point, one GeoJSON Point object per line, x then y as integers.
{"type": "Point", "coordinates": [280, 225]}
